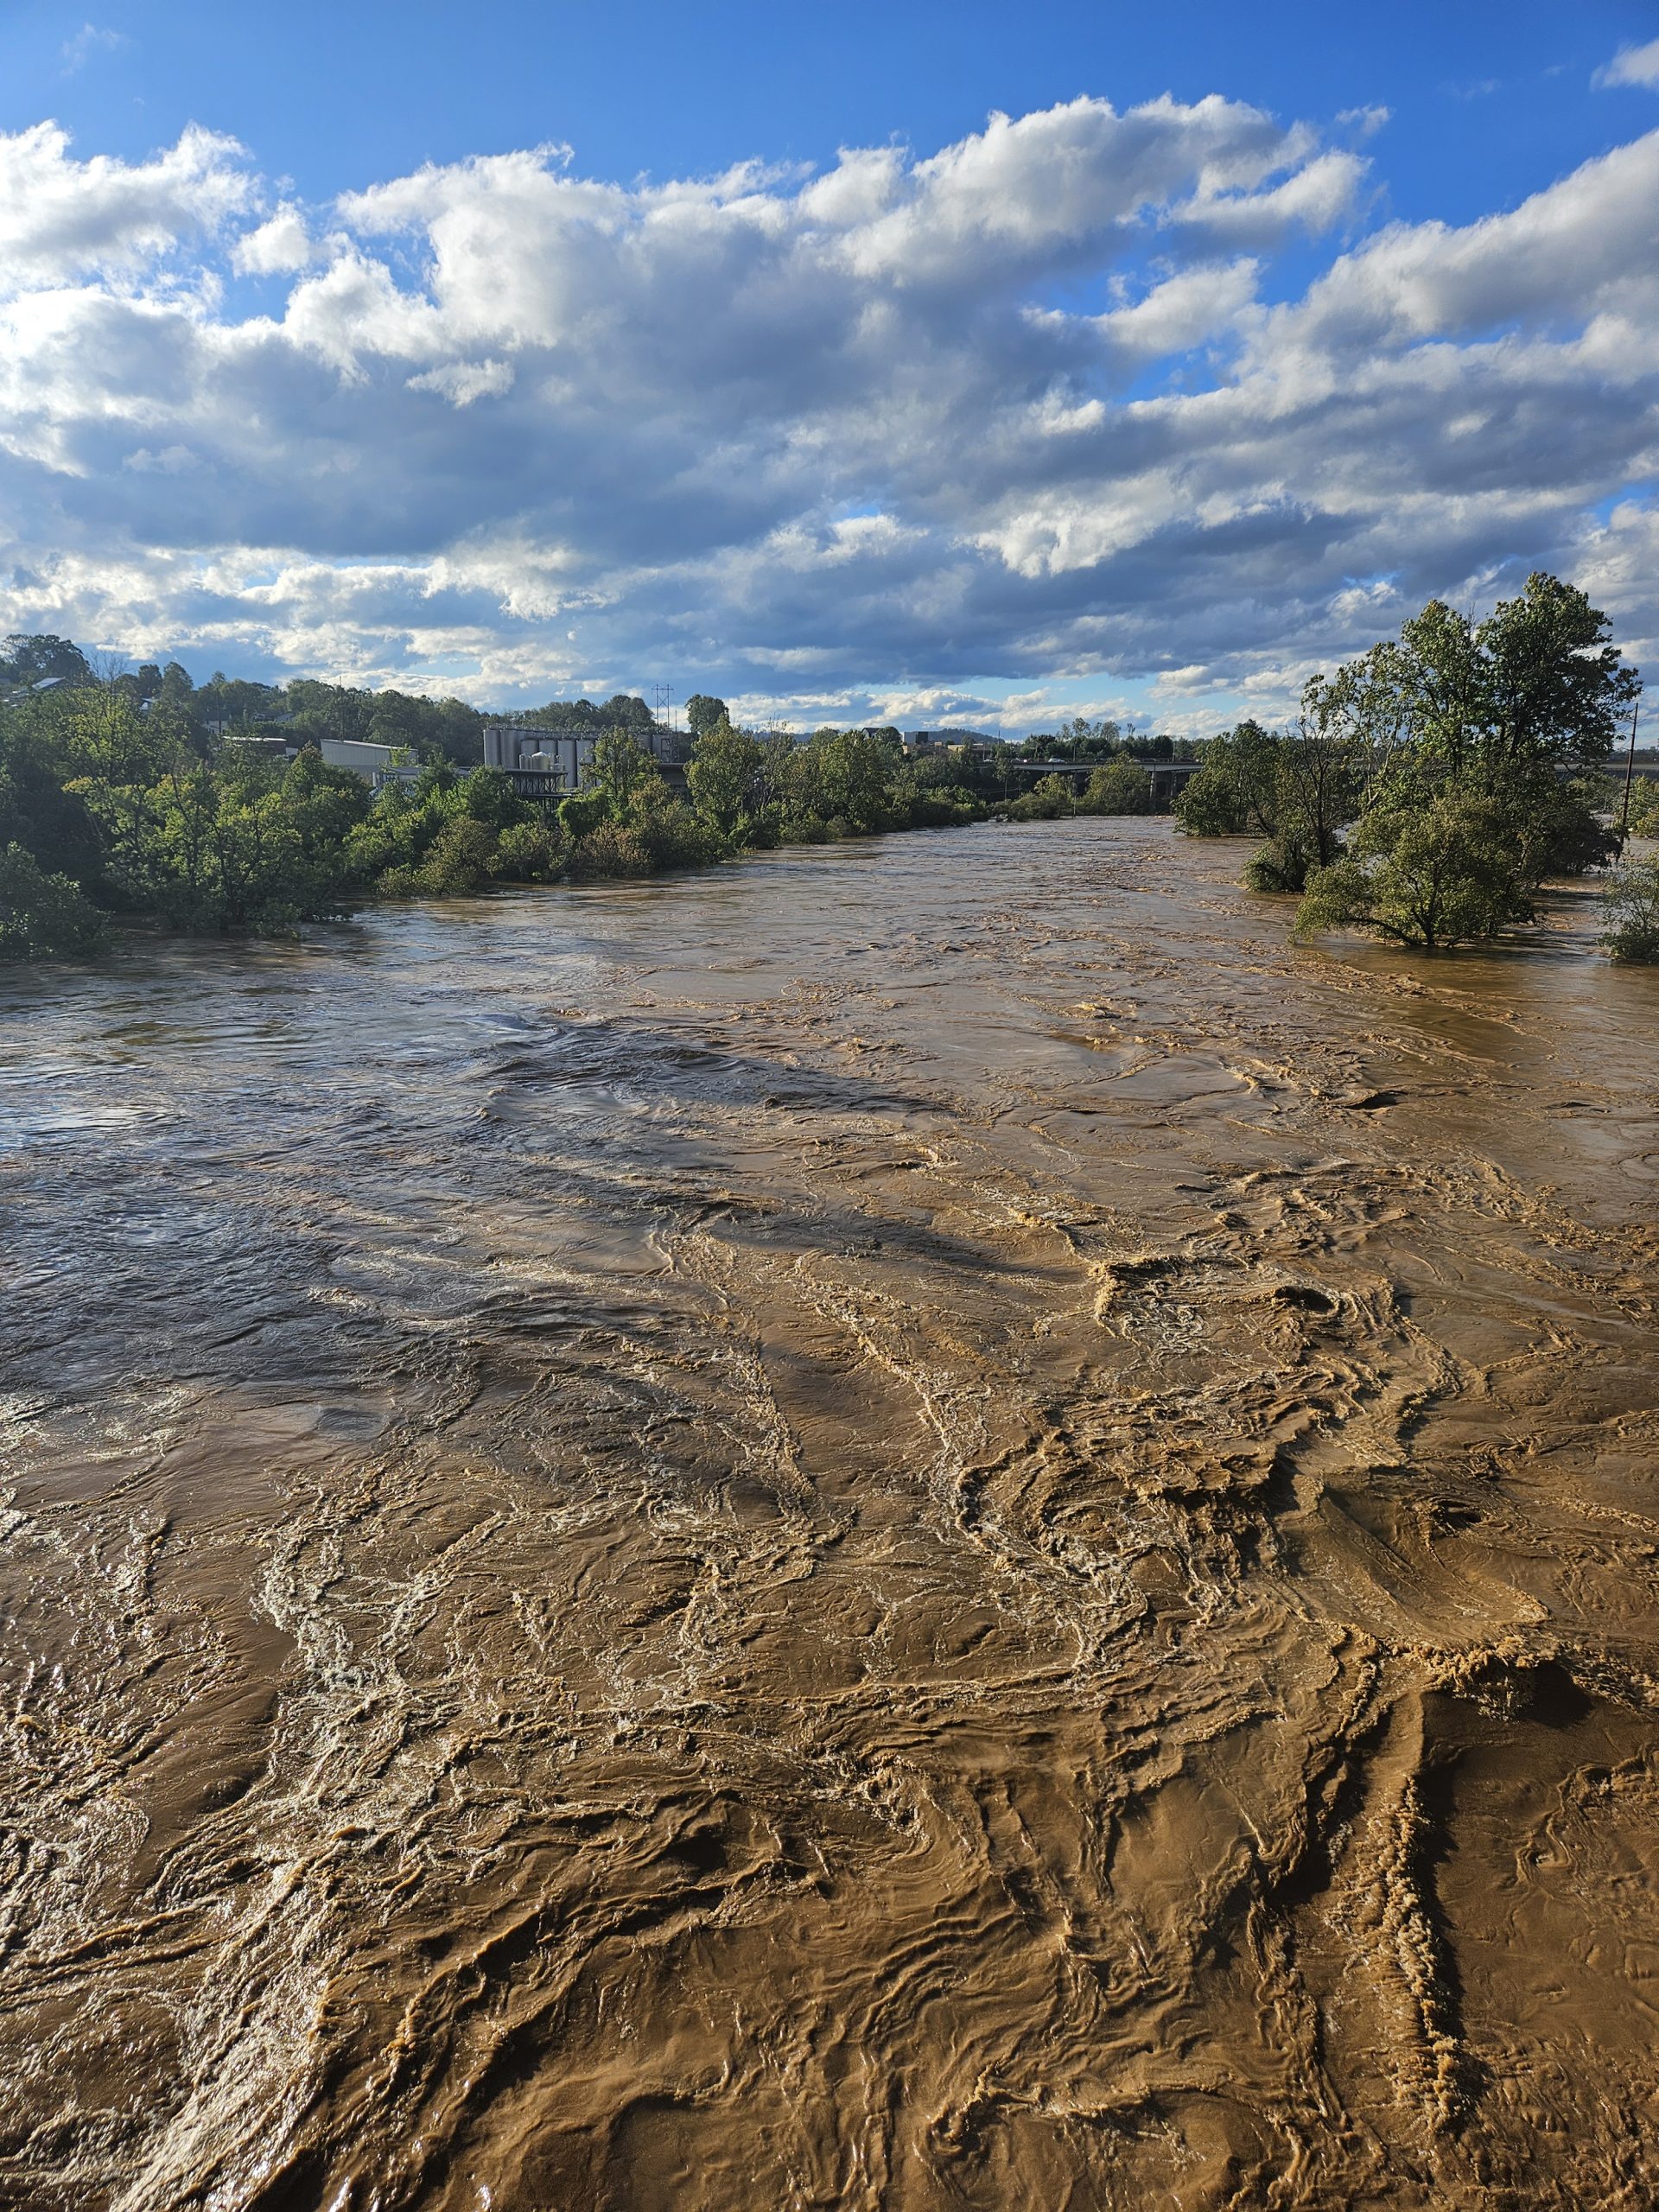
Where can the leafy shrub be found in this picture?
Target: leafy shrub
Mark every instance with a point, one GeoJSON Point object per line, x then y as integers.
{"type": "Point", "coordinates": [458, 861]}
{"type": "Point", "coordinates": [1437, 875]}
{"type": "Point", "coordinates": [1049, 798]}
{"type": "Point", "coordinates": [670, 834]}
{"type": "Point", "coordinates": [940, 809]}
{"type": "Point", "coordinates": [1283, 864]}
{"type": "Point", "coordinates": [1632, 906]}
{"type": "Point", "coordinates": [43, 916]}
{"type": "Point", "coordinates": [1117, 787]}
{"type": "Point", "coordinates": [611, 849]}
{"type": "Point", "coordinates": [581, 813]}
{"type": "Point", "coordinates": [528, 852]}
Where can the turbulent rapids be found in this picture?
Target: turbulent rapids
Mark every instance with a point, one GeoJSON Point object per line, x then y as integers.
{"type": "Point", "coordinates": [914, 1526]}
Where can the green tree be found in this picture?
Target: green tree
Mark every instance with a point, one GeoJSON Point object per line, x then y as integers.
{"type": "Point", "coordinates": [1515, 707]}
{"type": "Point", "coordinates": [487, 796]}
{"type": "Point", "coordinates": [669, 833]}
{"type": "Point", "coordinates": [1321, 773]}
{"type": "Point", "coordinates": [232, 703]}
{"type": "Point", "coordinates": [324, 805]}
{"type": "Point", "coordinates": [1433, 876]}
{"type": "Point", "coordinates": [426, 726]}
{"type": "Point", "coordinates": [843, 776]}
{"type": "Point", "coordinates": [1236, 791]}
{"type": "Point", "coordinates": [38, 809]}
{"type": "Point", "coordinates": [620, 765]}
{"type": "Point", "coordinates": [1631, 934]}
{"type": "Point", "coordinates": [319, 709]}
{"type": "Point", "coordinates": [723, 776]}
{"type": "Point", "coordinates": [703, 713]}
{"type": "Point", "coordinates": [1119, 787]}
{"type": "Point", "coordinates": [42, 916]}
{"type": "Point", "coordinates": [43, 658]}
{"type": "Point", "coordinates": [1558, 688]}
{"type": "Point", "coordinates": [1049, 798]}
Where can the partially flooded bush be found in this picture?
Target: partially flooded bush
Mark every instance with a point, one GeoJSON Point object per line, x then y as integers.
{"type": "Point", "coordinates": [611, 849]}
{"type": "Point", "coordinates": [1117, 787]}
{"type": "Point", "coordinates": [43, 916]}
{"type": "Point", "coordinates": [1048, 799]}
{"type": "Point", "coordinates": [1632, 909]}
{"type": "Point", "coordinates": [1283, 864]}
{"type": "Point", "coordinates": [1435, 875]}
{"type": "Point", "coordinates": [528, 852]}
{"type": "Point", "coordinates": [672, 836]}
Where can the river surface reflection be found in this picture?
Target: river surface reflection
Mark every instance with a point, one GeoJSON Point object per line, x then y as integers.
{"type": "Point", "coordinates": [928, 1524]}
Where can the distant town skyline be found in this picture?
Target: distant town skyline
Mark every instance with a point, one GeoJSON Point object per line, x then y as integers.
{"type": "Point", "coordinates": [907, 365]}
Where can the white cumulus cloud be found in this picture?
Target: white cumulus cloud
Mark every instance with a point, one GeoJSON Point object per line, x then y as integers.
{"type": "Point", "coordinates": [1632, 65]}
{"type": "Point", "coordinates": [1039, 407]}
{"type": "Point", "coordinates": [280, 246]}
{"type": "Point", "coordinates": [61, 218]}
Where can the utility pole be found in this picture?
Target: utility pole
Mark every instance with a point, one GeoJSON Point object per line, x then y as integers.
{"type": "Point", "coordinates": [1629, 770]}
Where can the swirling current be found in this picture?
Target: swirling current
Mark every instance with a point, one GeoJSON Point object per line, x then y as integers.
{"type": "Point", "coordinates": [932, 1524]}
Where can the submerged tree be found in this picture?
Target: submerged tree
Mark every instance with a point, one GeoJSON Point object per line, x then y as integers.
{"type": "Point", "coordinates": [1118, 786]}
{"type": "Point", "coordinates": [1475, 765]}
{"type": "Point", "coordinates": [1236, 791]}
{"type": "Point", "coordinates": [1433, 876]}
{"type": "Point", "coordinates": [43, 916]}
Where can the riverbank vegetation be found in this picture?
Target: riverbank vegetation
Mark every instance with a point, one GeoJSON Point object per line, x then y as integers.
{"type": "Point", "coordinates": [1632, 917]}
{"type": "Point", "coordinates": [1427, 790]}
{"type": "Point", "coordinates": [124, 799]}
{"type": "Point", "coordinates": [1424, 793]}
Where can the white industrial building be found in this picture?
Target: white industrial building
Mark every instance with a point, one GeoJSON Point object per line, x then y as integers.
{"type": "Point", "coordinates": [563, 757]}
{"type": "Point", "coordinates": [376, 764]}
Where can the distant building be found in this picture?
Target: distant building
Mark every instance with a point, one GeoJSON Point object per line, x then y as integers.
{"type": "Point", "coordinates": [947, 740]}
{"type": "Point", "coordinates": [545, 762]}
{"type": "Point", "coordinates": [540, 761]}
{"type": "Point", "coordinates": [376, 764]}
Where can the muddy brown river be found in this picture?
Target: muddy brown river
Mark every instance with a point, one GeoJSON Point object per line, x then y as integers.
{"type": "Point", "coordinates": [920, 1526]}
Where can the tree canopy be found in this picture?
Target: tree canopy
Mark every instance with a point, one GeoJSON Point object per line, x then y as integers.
{"type": "Point", "coordinates": [43, 660]}
{"type": "Point", "coordinates": [1427, 789]}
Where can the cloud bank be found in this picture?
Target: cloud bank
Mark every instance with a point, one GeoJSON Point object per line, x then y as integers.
{"type": "Point", "coordinates": [1035, 408]}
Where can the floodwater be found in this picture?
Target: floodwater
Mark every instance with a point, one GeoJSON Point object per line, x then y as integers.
{"type": "Point", "coordinates": [924, 1525]}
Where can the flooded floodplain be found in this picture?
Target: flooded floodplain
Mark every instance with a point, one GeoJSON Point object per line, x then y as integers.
{"type": "Point", "coordinates": [923, 1525]}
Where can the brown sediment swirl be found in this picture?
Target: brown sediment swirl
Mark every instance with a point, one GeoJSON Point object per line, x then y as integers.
{"type": "Point", "coordinates": [924, 1525]}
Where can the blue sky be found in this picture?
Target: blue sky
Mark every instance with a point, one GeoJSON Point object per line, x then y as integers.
{"type": "Point", "coordinates": [1487, 100]}
{"type": "Point", "coordinates": [792, 374]}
